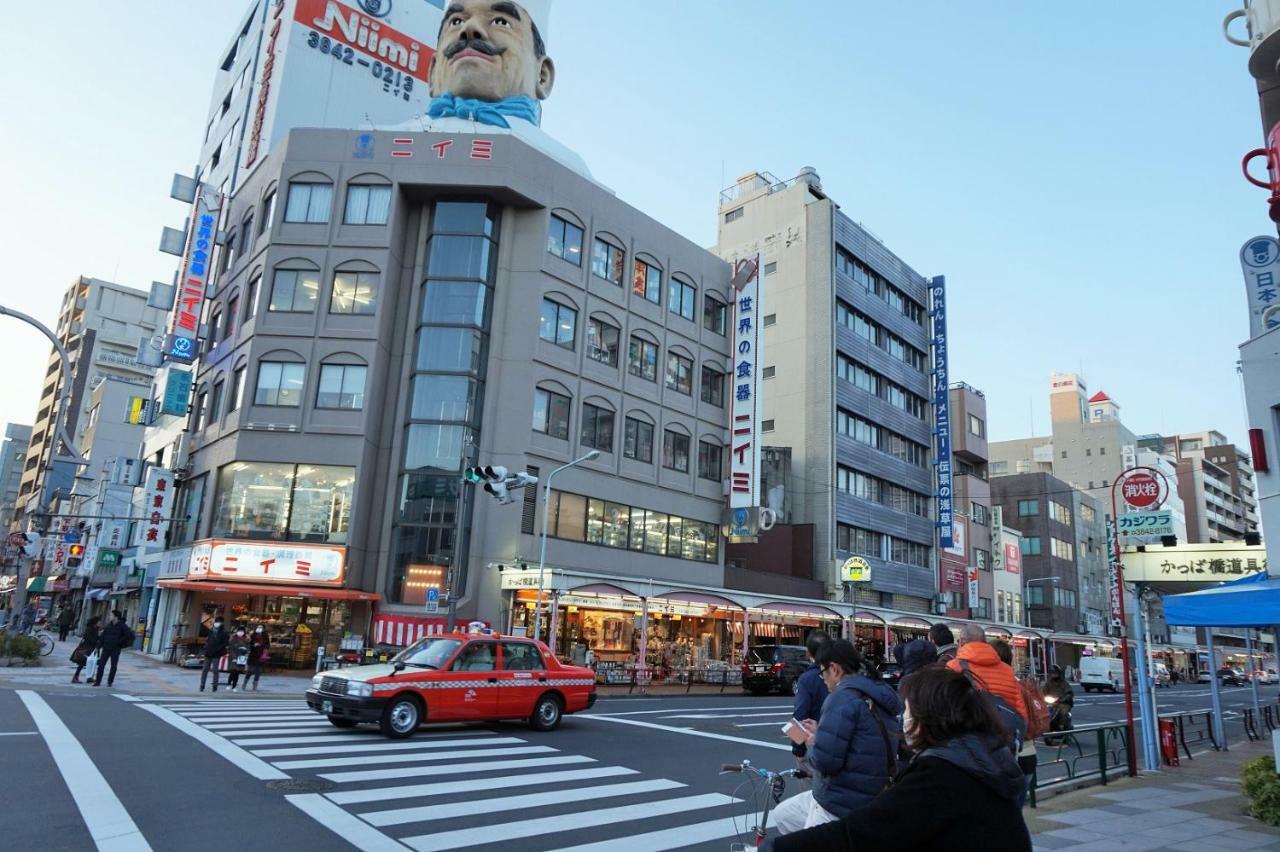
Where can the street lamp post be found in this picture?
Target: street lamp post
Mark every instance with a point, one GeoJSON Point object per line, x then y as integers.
{"type": "Point", "coordinates": [1026, 614]}
{"type": "Point", "coordinates": [542, 556]}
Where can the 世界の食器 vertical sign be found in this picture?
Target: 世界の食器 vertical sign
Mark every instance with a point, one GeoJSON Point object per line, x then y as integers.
{"type": "Point", "coordinates": [941, 407]}
{"type": "Point", "coordinates": [744, 407]}
{"type": "Point", "coordinates": [184, 330]}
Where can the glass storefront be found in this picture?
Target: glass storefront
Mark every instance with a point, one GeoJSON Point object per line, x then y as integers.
{"type": "Point", "coordinates": [578, 518]}
{"type": "Point", "coordinates": [284, 502]}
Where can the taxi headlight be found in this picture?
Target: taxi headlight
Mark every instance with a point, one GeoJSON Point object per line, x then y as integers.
{"type": "Point", "coordinates": [359, 689]}
{"type": "Point", "coordinates": [315, 682]}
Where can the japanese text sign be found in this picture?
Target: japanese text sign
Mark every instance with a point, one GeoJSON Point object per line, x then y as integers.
{"type": "Point", "coordinates": [1113, 577]}
{"type": "Point", "coordinates": [1143, 488]}
{"type": "Point", "coordinates": [941, 409]}
{"type": "Point", "coordinates": [1194, 563]}
{"type": "Point", "coordinates": [177, 392]}
{"type": "Point", "coordinates": [745, 409]}
{"type": "Point", "coordinates": [1260, 263]}
{"type": "Point", "coordinates": [184, 329]}
{"type": "Point", "coordinates": [157, 508]}
{"type": "Point", "coordinates": [257, 562]}
{"type": "Point", "coordinates": [855, 569]}
{"type": "Point", "coordinates": [1146, 523]}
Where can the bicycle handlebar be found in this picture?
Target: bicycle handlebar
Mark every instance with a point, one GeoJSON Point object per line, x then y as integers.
{"type": "Point", "coordinates": [730, 767]}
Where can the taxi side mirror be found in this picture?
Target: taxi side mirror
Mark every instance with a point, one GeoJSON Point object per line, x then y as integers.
{"type": "Point", "coordinates": [398, 666]}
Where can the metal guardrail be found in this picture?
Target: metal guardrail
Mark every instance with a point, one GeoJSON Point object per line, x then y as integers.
{"type": "Point", "coordinates": [643, 678]}
{"type": "Point", "coordinates": [1083, 752]}
{"type": "Point", "coordinates": [1193, 728]}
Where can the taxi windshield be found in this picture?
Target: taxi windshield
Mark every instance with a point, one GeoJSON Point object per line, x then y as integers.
{"type": "Point", "coordinates": [428, 652]}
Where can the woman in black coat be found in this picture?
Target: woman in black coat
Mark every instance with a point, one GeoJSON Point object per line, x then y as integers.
{"type": "Point", "coordinates": [87, 646]}
{"type": "Point", "coordinates": [960, 792]}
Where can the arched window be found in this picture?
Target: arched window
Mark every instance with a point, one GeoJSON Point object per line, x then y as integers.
{"type": "Point", "coordinates": [551, 403]}
{"type": "Point", "coordinates": [607, 258]}
{"type": "Point", "coordinates": [597, 424]}
{"type": "Point", "coordinates": [637, 437]}
{"type": "Point", "coordinates": [564, 237]}
{"type": "Point", "coordinates": [310, 198]}
{"type": "Point", "coordinates": [295, 287]}
{"type": "Point", "coordinates": [646, 280]}
{"type": "Point", "coordinates": [681, 297]}
{"type": "Point", "coordinates": [342, 382]}
{"type": "Point", "coordinates": [355, 288]}
{"type": "Point", "coordinates": [281, 377]}
{"type": "Point", "coordinates": [368, 200]}
{"type": "Point", "coordinates": [675, 448]}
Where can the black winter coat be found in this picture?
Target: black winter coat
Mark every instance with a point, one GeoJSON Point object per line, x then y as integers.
{"type": "Point", "coordinates": [959, 802]}
{"type": "Point", "coordinates": [116, 636]}
{"type": "Point", "coordinates": [216, 644]}
{"type": "Point", "coordinates": [90, 640]}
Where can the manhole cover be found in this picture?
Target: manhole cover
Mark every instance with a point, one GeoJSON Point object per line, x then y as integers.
{"type": "Point", "coordinates": [301, 785]}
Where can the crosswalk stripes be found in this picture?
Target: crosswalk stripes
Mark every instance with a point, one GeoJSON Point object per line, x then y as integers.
{"type": "Point", "coordinates": [460, 786]}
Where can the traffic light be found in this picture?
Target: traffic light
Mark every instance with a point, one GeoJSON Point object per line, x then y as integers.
{"type": "Point", "coordinates": [75, 554]}
{"type": "Point", "coordinates": [497, 480]}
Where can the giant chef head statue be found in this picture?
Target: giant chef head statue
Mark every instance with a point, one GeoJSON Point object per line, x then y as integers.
{"type": "Point", "coordinates": [490, 62]}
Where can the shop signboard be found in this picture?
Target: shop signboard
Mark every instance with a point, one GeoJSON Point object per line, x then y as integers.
{"type": "Point", "coordinates": [855, 569]}
{"type": "Point", "coordinates": [519, 580]}
{"type": "Point", "coordinates": [184, 329]}
{"type": "Point", "coordinates": [1260, 263]}
{"type": "Point", "coordinates": [177, 392]}
{"type": "Point", "coordinates": [156, 507]}
{"type": "Point", "coordinates": [1159, 523]}
{"type": "Point", "coordinates": [941, 409]}
{"type": "Point", "coordinates": [958, 535]}
{"type": "Point", "coordinates": [1194, 563]}
{"type": "Point", "coordinates": [1113, 576]}
{"type": "Point", "coordinates": [174, 563]}
{"type": "Point", "coordinates": [1144, 488]}
{"type": "Point", "coordinates": [974, 591]}
{"type": "Point", "coordinates": [745, 409]}
{"type": "Point", "coordinates": [1012, 557]}
{"type": "Point", "coordinates": [108, 560]}
{"type": "Point", "coordinates": [997, 539]}
{"type": "Point", "coordinates": [259, 562]}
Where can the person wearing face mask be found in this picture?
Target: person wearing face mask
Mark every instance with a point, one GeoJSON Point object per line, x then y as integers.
{"type": "Point", "coordinates": [959, 744]}
{"type": "Point", "coordinates": [214, 647]}
{"type": "Point", "coordinates": [852, 749]}
{"type": "Point", "coordinates": [259, 653]}
{"type": "Point", "coordinates": [237, 656]}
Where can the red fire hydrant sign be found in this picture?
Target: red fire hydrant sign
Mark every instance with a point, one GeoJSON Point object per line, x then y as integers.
{"type": "Point", "coordinates": [1169, 742]}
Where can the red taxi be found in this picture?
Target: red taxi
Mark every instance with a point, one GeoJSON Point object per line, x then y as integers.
{"type": "Point", "coordinates": [455, 677]}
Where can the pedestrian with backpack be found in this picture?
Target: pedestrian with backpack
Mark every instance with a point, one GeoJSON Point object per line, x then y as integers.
{"type": "Point", "coordinates": [115, 637]}
{"type": "Point", "coordinates": [852, 750]}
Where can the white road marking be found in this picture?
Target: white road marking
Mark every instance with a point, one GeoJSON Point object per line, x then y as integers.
{"type": "Point", "coordinates": [259, 769]}
{"type": "Point", "coordinates": [456, 769]}
{"type": "Point", "coordinates": [350, 828]}
{"type": "Point", "coordinates": [107, 820]}
{"type": "Point", "coordinates": [672, 838]}
{"type": "Point", "coordinates": [19, 734]}
{"type": "Point", "coordinates": [416, 791]}
{"type": "Point", "coordinates": [696, 710]}
{"type": "Point", "coordinates": [231, 733]}
{"type": "Point", "coordinates": [124, 697]}
{"type": "Point", "coordinates": [773, 724]}
{"type": "Point", "coordinates": [367, 760]}
{"type": "Point", "coordinates": [503, 832]}
{"type": "Point", "coordinates": [686, 731]}
{"type": "Point", "coordinates": [779, 714]}
{"type": "Point", "coordinates": [251, 715]}
{"type": "Point", "coordinates": [381, 744]}
{"type": "Point", "coordinates": [427, 813]}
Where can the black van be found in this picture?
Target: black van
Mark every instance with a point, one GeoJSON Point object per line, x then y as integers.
{"type": "Point", "coordinates": [774, 667]}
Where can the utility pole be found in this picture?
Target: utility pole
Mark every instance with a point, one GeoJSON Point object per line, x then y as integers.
{"type": "Point", "coordinates": [41, 516]}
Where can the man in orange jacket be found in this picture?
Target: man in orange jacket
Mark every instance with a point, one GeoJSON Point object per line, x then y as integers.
{"type": "Point", "coordinates": [986, 668]}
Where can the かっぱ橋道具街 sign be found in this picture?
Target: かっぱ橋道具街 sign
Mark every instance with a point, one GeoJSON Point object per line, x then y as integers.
{"type": "Point", "coordinates": [1194, 563]}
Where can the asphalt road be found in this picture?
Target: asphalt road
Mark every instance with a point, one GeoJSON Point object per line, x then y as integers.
{"type": "Point", "coordinates": [173, 773]}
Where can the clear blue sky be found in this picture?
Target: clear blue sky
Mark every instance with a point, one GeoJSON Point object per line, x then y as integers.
{"type": "Point", "coordinates": [1073, 171]}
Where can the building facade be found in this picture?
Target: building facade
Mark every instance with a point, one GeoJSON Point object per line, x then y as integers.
{"type": "Point", "coordinates": [971, 549]}
{"type": "Point", "coordinates": [1260, 363]}
{"type": "Point", "coordinates": [1041, 508]}
{"type": "Point", "coordinates": [846, 383]}
{"type": "Point", "coordinates": [1216, 485]}
{"type": "Point", "coordinates": [13, 454]}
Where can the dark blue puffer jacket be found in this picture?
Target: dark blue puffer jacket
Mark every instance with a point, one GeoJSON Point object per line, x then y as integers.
{"type": "Point", "coordinates": [848, 753]}
{"type": "Point", "coordinates": [810, 693]}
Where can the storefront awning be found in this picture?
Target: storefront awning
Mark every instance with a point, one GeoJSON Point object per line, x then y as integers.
{"type": "Point", "coordinates": [268, 589]}
{"type": "Point", "coordinates": [36, 585]}
{"type": "Point", "coordinates": [402, 630]}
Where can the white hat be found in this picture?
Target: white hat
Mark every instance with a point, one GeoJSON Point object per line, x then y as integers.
{"type": "Point", "coordinates": [540, 12]}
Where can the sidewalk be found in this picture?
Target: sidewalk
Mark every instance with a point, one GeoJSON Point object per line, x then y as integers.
{"type": "Point", "coordinates": [1195, 807]}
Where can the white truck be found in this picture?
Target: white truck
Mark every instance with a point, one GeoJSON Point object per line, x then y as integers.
{"type": "Point", "coordinates": [1101, 673]}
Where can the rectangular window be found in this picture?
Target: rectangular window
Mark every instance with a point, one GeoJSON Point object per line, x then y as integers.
{"type": "Point", "coordinates": [215, 401]}
{"type": "Point", "coordinates": [766, 425]}
{"type": "Point", "coordinates": [1062, 549]}
{"type": "Point", "coordinates": [558, 324]}
{"type": "Point", "coordinates": [978, 513]}
{"type": "Point", "coordinates": [354, 293]}
{"type": "Point", "coordinates": [715, 315]}
{"type": "Point", "coordinates": [1059, 512]}
{"type": "Point", "coordinates": [564, 240]}
{"type": "Point", "coordinates": [981, 559]}
{"type": "Point", "coordinates": [646, 282]}
{"type": "Point", "coordinates": [233, 315]}
{"type": "Point", "coordinates": [984, 607]}
{"type": "Point", "coordinates": [733, 215]}
{"type": "Point", "coordinates": [279, 384]}
{"type": "Point", "coordinates": [367, 205]}
{"type": "Point", "coordinates": [202, 410]}
{"type": "Point", "coordinates": [1028, 508]}
{"type": "Point", "coordinates": [616, 525]}
{"type": "Point", "coordinates": [713, 387]}
{"type": "Point", "coordinates": [675, 451]}
{"type": "Point", "coordinates": [679, 374]}
{"type": "Point", "coordinates": [642, 359]}
{"type": "Point", "coordinates": [770, 319]}
{"type": "Point", "coordinates": [246, 235]}
{"type": "Point", "coordinates": [602, 342]}
{"type": "Point", "coordinates": [341, 386]}
{"type": "Point", "coordinates": [681, 298]}
{"type": "Point", "coordinates": [606, 261]}
{"type": "Point", "coordinates": [268, 211]}
{"type": "Point", "coordinates": [551, 414]}
{"type": "Point", "coordinates": [1031, 545]}
{"type": "Point", "coordinates": [294, 290]}
{"type": "Point", "coordinates": [977, 426]}
{"type": "Point", "coordinates": [597, 427]}
{"type": "Point", "coordinates": [638, 441]}
{"type": "Point", "coordinates": [709, 461]}
{"type": "Point", "coordinates": [251, 297]}
{"type": "Point", "coordinates": [284, 502]}
{"type": "Point", "coordinates": [309, 202]}
{"type": "Point", "coordinates": [237, 390]}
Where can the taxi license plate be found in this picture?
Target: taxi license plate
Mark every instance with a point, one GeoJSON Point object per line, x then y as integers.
{"type": "Point", "coordinates": [759, 668]}
{"type": "Point", "coordinates": [326, 707]}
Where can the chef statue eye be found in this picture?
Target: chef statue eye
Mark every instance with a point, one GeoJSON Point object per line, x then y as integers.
{"type": "Point", "coordinates": [455, 21]}
{"type": "Point", "coordinates": [501, 22]}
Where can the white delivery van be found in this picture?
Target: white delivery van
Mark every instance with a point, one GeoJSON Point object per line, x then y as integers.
{"type": "Point", "coordinates": [1101, 673]}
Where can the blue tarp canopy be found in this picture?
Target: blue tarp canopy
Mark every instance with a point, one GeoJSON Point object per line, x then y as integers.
{"type": "Point", "coordinates": [1248, 602]}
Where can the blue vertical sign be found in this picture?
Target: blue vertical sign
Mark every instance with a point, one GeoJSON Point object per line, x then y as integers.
{"type": "Point", "coordinates": [941, 408]}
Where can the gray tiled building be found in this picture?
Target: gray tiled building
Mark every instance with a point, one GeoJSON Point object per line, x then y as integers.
{"type": "Point", "coordinates": [846, 346]}
{"type": "Point", "coordinates": [381, 322]}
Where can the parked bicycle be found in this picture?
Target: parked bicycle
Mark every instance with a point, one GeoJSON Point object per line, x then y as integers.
{"type": "Point", "coordinates": [766, 784]}
{"type": "Point", "coordinates": [44, 637]}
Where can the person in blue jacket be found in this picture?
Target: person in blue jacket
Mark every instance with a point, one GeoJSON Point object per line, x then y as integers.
{"type": "Point", "coordinates": [852, 750]}
{"type": "Point", "coordinates": [810, 690]}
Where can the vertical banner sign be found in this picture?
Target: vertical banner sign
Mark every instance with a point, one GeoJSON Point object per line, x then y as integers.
{"type": "Point", "coordinates": [1113, 577]}
{"type": "Point", "coordinates": [941, 407]}
{"type": "Point", "coordinates": [177, 391]}
{"type": "Point", "coordinates": [973, 589]}
{"type": "Point", "coordinates": [1260, 262]}
{"type": "Point", "coordinates": [184, 328]}
{"type": "Point", "coordinates": [158, 507]}
{"type": "Point", "coordinates": [997, 538]}
{"type": "Point", "coordinates": [744, 466]}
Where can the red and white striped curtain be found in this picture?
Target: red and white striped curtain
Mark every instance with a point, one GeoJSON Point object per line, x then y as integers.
{"type": "Point", "coordinates": [404, 630]}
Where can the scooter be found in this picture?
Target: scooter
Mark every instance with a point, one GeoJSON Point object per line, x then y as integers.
{"type": "Point", "coordinates": [1059, 718]}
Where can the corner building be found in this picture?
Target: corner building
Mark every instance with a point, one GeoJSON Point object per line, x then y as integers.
{"type": "Point", "coordinates": [417, 304]}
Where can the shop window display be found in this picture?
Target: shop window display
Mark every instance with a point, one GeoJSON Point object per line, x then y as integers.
{"type": "Point", "coordinates": [594, 521]}
{"type": "Point", "coordinates": [296, 627]}
{"type": "Point", "coordinates": [284, 502]}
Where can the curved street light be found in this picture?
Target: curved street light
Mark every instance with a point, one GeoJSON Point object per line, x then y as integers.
{"type": "Point", "coordinates": [542, 556]}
